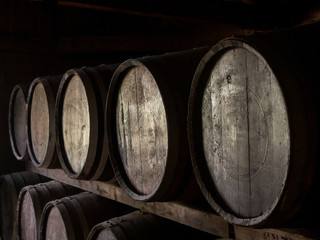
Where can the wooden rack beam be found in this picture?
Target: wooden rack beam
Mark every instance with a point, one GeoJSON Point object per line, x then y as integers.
{"type": "Point", "coordinates": [188, 215]}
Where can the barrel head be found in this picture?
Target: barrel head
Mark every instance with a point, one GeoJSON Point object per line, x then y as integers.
{"type": "Point", "coordinates": [76, 124]}
{"type": "Point", "coordinates": [28, 222]}
{"type": "Point", "coordinates": [55, 227]}
{"type": "Point", "coordinates": [142, 132]}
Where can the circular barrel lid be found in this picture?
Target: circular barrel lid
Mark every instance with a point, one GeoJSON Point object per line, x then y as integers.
{"type": "Point", "coordinates": [55, 225]}
{"type": "Point", "coordinates": [76, 123]}
{"type": "Point", "coordinates": [240, 132]}
{"type": "Point", "coordinates": [28, 221]}
{"type": "Point", "coordinates": [39, 123]}
{"type": "Point", "coordinates": [142, 131]}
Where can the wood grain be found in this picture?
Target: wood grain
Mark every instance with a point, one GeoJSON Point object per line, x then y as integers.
{"type": "Point", "coordinates": [76, 123]}
{"type": "Point", "coordinates": [245, 132]}
{"type": "Point", "coordinates": [55, 219]}
{"type": "Point", "coordinates": [28, 222]}
{"type": "Point", "coordinates": [142, 130]}
{"type": "Point", "coordinates": [39, 124]}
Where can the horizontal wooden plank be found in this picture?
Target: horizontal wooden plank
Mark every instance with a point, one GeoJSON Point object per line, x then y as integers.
{"type": "Point", "coordinates": [189, 215]}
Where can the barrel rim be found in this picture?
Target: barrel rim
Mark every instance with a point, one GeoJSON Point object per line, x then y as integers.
{"type": "Point", "coordinates": [50, 154]}
{"type": "Point", "coordinates": [94, 131]}
{"type": "Point", "coordinates": [14, 92]}
{"type": "Point", "coordinates": [173, 137]}
{"type": "Point", "coordinates": [64, 215]}
{"type": "Point", "coordinates": [206, 185]}
{"type": "Point", "coordinates": [35, 200]}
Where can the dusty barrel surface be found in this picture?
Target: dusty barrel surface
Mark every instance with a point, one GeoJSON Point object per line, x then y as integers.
{"type": "Point", "coordinates": [81, 139]}
{"type": "Point", "coordinates": [72, 218]}
{"type": "Point", "coordinates": [251, 132]}
{"type": "Point", "coordinates": [10, 186]}
{"type": "Point", "coordinates": [41, 121]}
{"type": "Point", "coordinates": [146, 124]}
{"type": "Point", "coordinates": [18, 121]}
{"type": "Point", "coordinates": [32, 200]}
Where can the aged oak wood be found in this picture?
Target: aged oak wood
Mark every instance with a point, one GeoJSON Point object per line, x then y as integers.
{"type": "Point", "coordinates": [193, 216]}
{"type": "Point", "coordinates": [17, 121]}
{"type": "Point", "coordinates": [10, 186]}
{"type": "Point", "coordinates": [80, 128]}
{"type": "Point", "coordinates": [41, 121]}
{"type": "Point", "coordinates": [142, 132]}
{"type": "Point", "coordinates": [32, 200]}
{"type": "Point", "coordinates": [249, 151]}
{"type": "Point", "coordinates": [74, 216]}
{"type": "Point", "coordinates": [146, 125]}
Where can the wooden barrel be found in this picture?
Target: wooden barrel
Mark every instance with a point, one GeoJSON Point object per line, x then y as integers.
{"type": "Point", "coordinates": [10, 186]}
{"type": "Point", "coordinates": [144, 226]}
{"type": "Point", "coordinates": [146, 124]}
{"type": "Point", "coordinates": [17, 121]}
{"type": "Point", "coordinates": [32, 200]}
{"type": "Point", "coordinates": [252, 131]}
{"type": "Point", "coordinates": [72, 218]}
{"type": "Point", "coordinates": [41, 121]}
{"type": "Point", "coordinates": [81, 139]}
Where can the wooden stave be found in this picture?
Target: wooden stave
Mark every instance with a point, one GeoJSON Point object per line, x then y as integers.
{"type": "Point", "coordinates": [41, 194]}
{"type": "Point", "coordinates": [277, 215]}
{"type": "Point", "coordinates": [96, 81]}
{"type": "Point", "coordinates": [17, 181]}
{"type": "Point", "coordinates": [170, 184]}
{"type": "Point", "coordinates": [50, 84]}
{"type": "Point", "coordinates": [24, 88]}
{"type": "Point", "coordinates": [85, 208]}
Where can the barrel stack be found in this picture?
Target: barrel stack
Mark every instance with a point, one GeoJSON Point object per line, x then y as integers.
{"type": "Point", "coordinates": [32, 200]}
{"type": "Point", "coordinates": [10, 186]}
{"type": "Point", "coordinates": [146, 116]}
{"type": "Point", "coordinates": [80, 128]}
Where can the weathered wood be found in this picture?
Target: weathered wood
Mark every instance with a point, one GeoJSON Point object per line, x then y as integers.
{"type": "Point", "coordinates": [244, 134]}
{"type": "Point", "coordinates": [76, 124]}
{"type": "Point", "coordinates": [32, 200]}
{"type": "Point", "coordinates": [143, 225]}
{"type": "Point", "coordinates": [142, 132]}
{"type": "Point", "coordinates": [73, 217]}
{"type": "Point", "coordinates": [41, 121]}
{"type": "Point", "coordinates": [81, 139]}
{"type": "Point", "coordinates": [10, 186]}
{"type": "Point", "coordinates": [193, 216]}
{"type": "Point", "coordinates": [17, 121]}
{"type": "Point", "coordinates": [146, 125]}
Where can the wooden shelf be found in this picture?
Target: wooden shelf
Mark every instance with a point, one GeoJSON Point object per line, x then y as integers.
{"type": "Point", "coordinates": [194, 216]}
{"type": "Point", "coordinates": [188, 215]}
